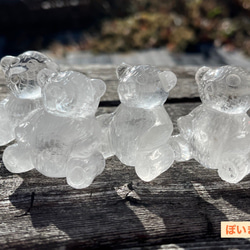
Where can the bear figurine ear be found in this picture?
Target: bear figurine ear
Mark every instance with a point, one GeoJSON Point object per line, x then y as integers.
{"type": "Point", "coordinates": [99, 86]}
{"type": "Point", "coordinates": [168, 80]}
{"type": "Point", "coordinates": [120, 70]}
{"type": "Point", "coordinates": [52, 65]}
{"type": "Point", "coordinates": [7, 61]}
{"type": "Point", "coordinates": [200, 73]}
{"type": "Point", "coordinates": [43, 76]}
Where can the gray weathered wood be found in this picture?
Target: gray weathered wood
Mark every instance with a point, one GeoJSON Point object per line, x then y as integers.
{"type": "Point", "coordinates": [186, 86]}
{"type": "Point", "coordinates": [157, 56]}
{"type": "Point", "coordinates": [181, 208]}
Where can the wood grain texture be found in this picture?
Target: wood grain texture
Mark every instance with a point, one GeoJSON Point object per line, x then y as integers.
{"type": "Point", "coordinates": [182, 208]}
{"type": "Point", "coordinates": [186, 86]}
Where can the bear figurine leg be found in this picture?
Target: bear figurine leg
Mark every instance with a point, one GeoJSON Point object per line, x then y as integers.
{"type": "Point", "coordinates": [150, 164]}
{"type": "Point", "coordinates": [17, 159]}
{"type": "Point", "coordinates": [81, 172]}
{"type": "Point", "coordinates": [234, 168]}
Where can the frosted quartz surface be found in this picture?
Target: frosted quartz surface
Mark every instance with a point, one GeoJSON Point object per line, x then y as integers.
{"type": "Point", "coordinates": [21, 73]}
{"type": "Point", "coordinates": [217, 133]}
{"type": "Point", "coordinates": [25, 92]}
{"type": "Point", "coordinates": [70, 94]}
{"type": "Point", "coordinates": [62, 137]}
{"type": "Point", "coordinates": [139, 129]}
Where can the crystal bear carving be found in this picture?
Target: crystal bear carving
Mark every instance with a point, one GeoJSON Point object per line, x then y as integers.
{"type": "Point", "coordinates": [139, 129]}
{"type": "Point", "coordinates": [61, 139]}
{"type": "Point", "coordinates": [217, 133]}
{"type": "Point", "coordinates": [21, 78]}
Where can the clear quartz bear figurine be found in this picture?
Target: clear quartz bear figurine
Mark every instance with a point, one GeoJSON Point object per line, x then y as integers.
{"type": "Point", "coordinates": [139, 129]}
{"type": "Point", "coordinates": [217, 133]}
{"type": "Point", "coordinates": [61, 139]}
{"type": "Point", "coordinates": [21, 77]}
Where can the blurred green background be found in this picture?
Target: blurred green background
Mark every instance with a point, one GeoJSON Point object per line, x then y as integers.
{"type": "Point", "coordinates": [123, 25]}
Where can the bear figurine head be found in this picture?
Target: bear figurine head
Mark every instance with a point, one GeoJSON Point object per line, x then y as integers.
{"type": "Point", "coordinates": [70, 93]}
{"type": "Point", "coordinates": [226, 89]}
{"type": "Point", "coordinates": [144, 86]}
{"type": "Point", "coordinates": [21, 73]}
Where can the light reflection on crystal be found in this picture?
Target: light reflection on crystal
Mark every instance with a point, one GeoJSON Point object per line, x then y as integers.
{"type": "Point", "coordinates": [139, 129]}
{"type": "Point", "coordinates": [217, 133]}
{"type": "Point", "coordinates": [21, 77]}
{"type": "Point", "coordinates": [56, 130]}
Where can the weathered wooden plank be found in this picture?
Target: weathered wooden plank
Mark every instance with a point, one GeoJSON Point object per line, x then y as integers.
{"type": "Point", "coordinates": [185, 88]}
{"type": "Point", "coordinates": [158, 57]}
{"type": "Point", "coordinates": [184, 206]}
{"type": "Point", "coordinates": [196, 245]}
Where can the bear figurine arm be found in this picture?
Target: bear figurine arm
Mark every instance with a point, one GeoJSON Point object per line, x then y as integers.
{"type": "Point", "coordinates": [185, 126]}
{"type": "Point", "coordinates": [154, 155]}
{"type": "Point", "coordinates": [185, 123]}
{"type": "Point", "coordinates": [106, 146]}
{"type": "Point", "coordinates": [155, 137]}
{"type": "Point", "coordinates": [159, 132]}
{"type": "Point", "coordinates": [181, 148]}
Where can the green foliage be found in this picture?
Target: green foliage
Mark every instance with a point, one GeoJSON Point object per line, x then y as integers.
{"type": "Point", "coordinates": [143, 30]}
{"type": "Point", "coordinates": [176, 24]}
{"type": "Point", "coordinates": [214, 12]}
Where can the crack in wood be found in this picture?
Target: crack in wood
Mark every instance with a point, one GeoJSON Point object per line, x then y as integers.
{"type": "Point", "coordinates": [30, 207]}
{"type": "Point", "coordinates": [116, 103]}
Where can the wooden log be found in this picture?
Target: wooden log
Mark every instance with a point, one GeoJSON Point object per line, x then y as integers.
{"type": "Point", "coordinates": [185, 88]}
{"type": "Point", "coordinates": [182, 208]}
{"type": "Point", "coordinates": [184, 205]}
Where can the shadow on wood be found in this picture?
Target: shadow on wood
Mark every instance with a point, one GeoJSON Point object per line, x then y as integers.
{"type": "Point", "coordinates": [184, 206]}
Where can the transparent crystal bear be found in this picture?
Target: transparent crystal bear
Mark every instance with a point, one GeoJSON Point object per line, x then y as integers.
{"type": "Point", "coordinates": [61, 139]}
{"type": "Point", "coordinates": [21, 77]}
{"type": "Point", "coordinates": [139, 129]}
{"type": "Point", "coordinates": [217, 133]}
